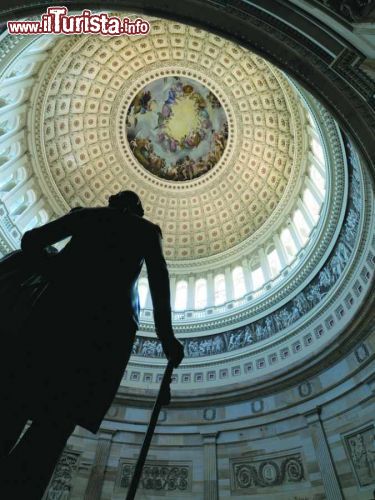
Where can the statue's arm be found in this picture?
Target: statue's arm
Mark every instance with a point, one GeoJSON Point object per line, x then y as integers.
{"type": "Point", "coordinates": [158, 278]}
{"type": "Point", "coordinates": [39, 238]}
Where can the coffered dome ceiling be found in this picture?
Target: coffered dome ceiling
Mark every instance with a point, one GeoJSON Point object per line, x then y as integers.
{"type": "Point", "coordinates": [241, 169]}
{"type": "Point", "coordinates": [212, 137]}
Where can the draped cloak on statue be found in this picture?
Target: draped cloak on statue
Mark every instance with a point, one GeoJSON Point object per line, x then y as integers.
{"type": "Point", "coordinates": [70, 327]}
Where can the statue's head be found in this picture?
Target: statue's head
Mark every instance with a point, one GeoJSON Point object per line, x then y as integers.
{"type": "Point", "coordinates": [128, 200]}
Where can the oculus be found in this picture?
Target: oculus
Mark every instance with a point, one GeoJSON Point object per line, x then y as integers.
{"type": "Point", "coordinates": [177, 128]}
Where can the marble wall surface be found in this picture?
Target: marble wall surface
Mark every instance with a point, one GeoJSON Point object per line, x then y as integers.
{"type": "Point", "coordinates": [314, 439]}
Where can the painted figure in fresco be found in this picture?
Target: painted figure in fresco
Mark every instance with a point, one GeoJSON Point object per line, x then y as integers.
{"type": "Point", "coordinates": [208, 136]}
{"type": "Point", "coordinates": [166, 111]}
{"type": "Point", "coordinates": [145, 100]}
{"type": "Point", "coordinates": [208, 346]}
{"type": "Point", "coordinates": [173, 145]}
{"type": "Point", "coordinates": [248, 336]}
{"type": "Point", "coordinates": [286, 316]}
{"type": "Point", "coordinates": [302, 303]}
{"type": "Point", "coordinates": [141, 103]}
{"type": "Point", "coordinates": [202, 348]}
{"type": "Point", "coordinates": [269, 325]}
{"type": "Point", "coordinates": [343, 251]}
{"type": "Point", "coordinates": [136, 345]}
{"type": "Point", "coordinates": [295, 314]}
{"type": "Point", "coordinates": [337, 265]}
{"type": "Point", "coordinates": [88, 314]}
{"type": "Point", "coordinates": [259, 331]}
{"type": "Point", "coordinates": [325, 278]}
{"type": "Point", "coordinates": [159, 350]}
{"type": "Point", "coordinates": [161, 119]}
{"type": "Point", "coordinates": [278, 321]}
{"type": "Point", "coordinates": [232, 341]}
{"type": "Point", "coordinates": [215, 103]}
{"type": "Point", "coordinates": [193, 348]}
{"type": "Point", "coordinates": [192, 140]}
{"type": "Point", "coordinates": [314, 295]}
{"type": "Point", "coordinates": [188, 168]}
{"type": "Point", "coordinates": [218, 344]}
{"type": "Point", "coordinates": [171, 95]}
{"type": "Point", "coordinates": [351, 227]}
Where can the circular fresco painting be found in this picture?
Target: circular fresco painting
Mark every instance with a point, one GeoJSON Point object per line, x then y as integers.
{"type": "Point", "coordinates": [177, 129]}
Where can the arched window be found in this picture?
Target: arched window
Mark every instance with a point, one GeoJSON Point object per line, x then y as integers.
{"type": "Point", "coordinates": [38, 220]}
{"type": "Point", "coordinates": [257, 277]}
{"type": "Point", "coordinates": [8, 183]}
{"type": "Point", "coordinates": [9, 153]}
{"type": "Point", "coordinates": [288, 244]}
{"type": "Point", "coordinates": [311, 120]}
{"type": "Point", "coordinates": [274, 263]}
{"type": "Point", "coordinates": [200, 294]}
{"type": "Point", "coordinates": [301, 225]}
{"type": "Point", "coordinates": [142, 291]}
{"type": "Point", "coordinates": [317, 150]}
{"type": "Point", "coordinates": [317, 179]}
{"type": "Point", "coordinates": [9, 125]}
{"type": "Point", "coordinates": [311, 204]}
{"type": "Point", "coordinates": [181, 296]}
{"type": "Point", "coordinates": [42, 217]}
{"type": "Point", "coordinates": [220, 291]}
{"type": "Point", "coordinates": [239, 286]}
{"type": "Point", "coordinates": [9, 98]}
{"type": "Point", "coordinates": [3, 128]}
{"type": "Point", "coordinates": [22, 203]}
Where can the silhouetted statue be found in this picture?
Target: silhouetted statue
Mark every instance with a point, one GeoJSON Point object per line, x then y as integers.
{"type": "Point", "coordinates": [76, 342]}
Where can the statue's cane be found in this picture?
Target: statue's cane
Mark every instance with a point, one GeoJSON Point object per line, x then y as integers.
{"type": "Point", "coordinates": [163, 399]}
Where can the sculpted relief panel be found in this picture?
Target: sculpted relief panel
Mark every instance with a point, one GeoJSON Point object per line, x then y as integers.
{"type": "Point", "coordinates": [360, 447]}
{"type": "Point", "coordinates": [266, 472]}
{"type": "Point", "coordinates": [60, 485]}
{"type": "Point", "coordinates": [158, 476]}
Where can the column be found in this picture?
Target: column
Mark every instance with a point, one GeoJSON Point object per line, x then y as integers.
{"type": "Point", "coordinates": [313, 133]}
{"type": "Point", "coordinates": [314, 191]}
{"type": "Point", "coordinates": [306, 214]}
{"type": "Point", "coordinates": [210, 486]}
{"type": "Point", "coordinates": [284, 261]}
{"type": "Point", "coordinates": [148, 304]}
{"type": "Point", "coordinates": [229, 284]}
{"type": "Point", "coordinates": [191, 294]}
{"type": "Point", "coordinates": [319, 166]}
{"type": "Point", "coordinates": [294, 234]}
{"type": "Point", "coordinates": [172, 281]}
{"type": "Point", "coordinates": [265, 265]}
{"type": "Point", "coordinates": [210, 290]}
{"type": "Point", "coordinates": [247, 275]}
{"type": "Point", "coordinates": [96, 479]}
{"type": "Point", "coordinates": [323, 454]}
{"type": "Point", "coordinates": [28, 214]}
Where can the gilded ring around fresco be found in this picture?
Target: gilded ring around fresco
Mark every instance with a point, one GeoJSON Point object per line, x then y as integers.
{"type": "Point", "coordinates": [177, 128]}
